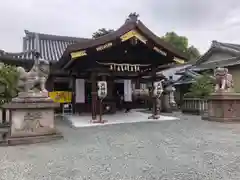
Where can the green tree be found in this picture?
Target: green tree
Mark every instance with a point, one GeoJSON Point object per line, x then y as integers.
{"type": "Point", "coordinates": [202, 87]}
{"type": "Point", "coordinates": [101, 32]}
{"type": "Point", "coordinates": [181, 43]}
{"type": "Point", "coordinates": [8, 83]}
{"type": "Point", "coordinates": [193, 53]}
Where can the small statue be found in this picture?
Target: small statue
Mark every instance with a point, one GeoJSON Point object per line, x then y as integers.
{"type": "Point", "coordinates": [35, 78]}
{"type": "Point", "coordinates": [224, 80]}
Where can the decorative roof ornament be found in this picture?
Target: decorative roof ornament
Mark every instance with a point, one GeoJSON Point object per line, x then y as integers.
{"type": "Point", "coordinates": [132, 17]}
{"type": "Point", "coordinates": [215, 43]}
{"type": "Point", "coordinates": [2, 52]}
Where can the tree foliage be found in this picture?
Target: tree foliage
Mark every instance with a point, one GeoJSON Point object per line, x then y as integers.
{"type": "Point", "coordinates": [101, 32]}
{"type": "Point", "coordinates": [193, 53]}
{"type": "Point", "coordinates": [181, 43]}
{"type": "Point", "coordinates": [201, 88]}
{"type": "Point", "coordinates": [8, 83]}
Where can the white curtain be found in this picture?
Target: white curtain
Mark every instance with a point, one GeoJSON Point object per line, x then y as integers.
{"type": "Point", "coordinates": [80, 91]}
{"type": "Point", "coordinates": [127, 90]}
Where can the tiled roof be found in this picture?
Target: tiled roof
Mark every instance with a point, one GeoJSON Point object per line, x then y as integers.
{"type": "Point", "coordinates": [220, 63]}
{"type": "Point", "coordinates": [189, 73]}
{"type": "Point", "coordinates": [173, 71]}
{"type": "Point", "coordinates": [203, 64]}
{"type": "Point", "coordinates": [50, 47]}
{"type": "Point", "coordinates": [16, 56]}
{"type": "Point", "coordinates": [184, 80]}
{"type": "Point", "coordinates": [234, 49]}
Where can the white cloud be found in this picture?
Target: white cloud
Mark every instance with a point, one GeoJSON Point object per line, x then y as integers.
{"type": "Point", "coordinates": [201, 21]}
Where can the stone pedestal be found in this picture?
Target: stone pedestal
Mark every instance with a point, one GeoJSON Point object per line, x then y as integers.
{"type": "Point", "coordinates": [223, 107]}
{"type": "Point", "coordinates": [31, 119]}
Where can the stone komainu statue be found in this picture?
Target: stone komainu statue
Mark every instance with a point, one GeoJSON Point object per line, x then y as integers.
{"type": "Point", "coordinates": [224, 80]}
{"type": "Point", "coordinates": [35, 79]}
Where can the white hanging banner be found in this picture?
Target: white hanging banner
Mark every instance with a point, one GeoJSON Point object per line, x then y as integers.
{"type": "Point", "coordinates": [127, 90]}
{"type": "Point", "coordinates": [80, 91]}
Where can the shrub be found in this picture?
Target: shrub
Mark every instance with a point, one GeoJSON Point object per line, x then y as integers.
{"type": "Point", "coordinates": [201, 88]}
{"type": "Point", "coordinates": [8, 83]}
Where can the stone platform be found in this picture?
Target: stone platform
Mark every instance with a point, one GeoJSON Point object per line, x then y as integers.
{"type": "Point", "coordinates": [31, 119]}
{"type": "Point", "coordinates": [223, 107]}
{"type": "Point", "coordinates": [134, 116]}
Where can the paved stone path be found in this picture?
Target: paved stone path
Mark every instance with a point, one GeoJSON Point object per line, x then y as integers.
{"type": "Point", "coordinates": [187, 149]}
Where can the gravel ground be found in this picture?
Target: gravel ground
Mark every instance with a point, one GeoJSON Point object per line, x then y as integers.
{"type": "Point", "coordinates": [183, 149]}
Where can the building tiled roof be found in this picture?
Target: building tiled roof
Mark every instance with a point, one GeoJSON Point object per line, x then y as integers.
{"type": "Point", "coordinates": [184, 80]}
{"type": "Point", "coordinates": [17, 56]}
{"type": "Point", "coordinates": [203, 64]}
{"type": "Point", "coordinates": [50, 47]}
{"type": "Point", "coordinates": [220, 63]}
{"type": "Point", "coordinates": [173, 71]}
{"type": "Point", "coordinates": [189, 73]}
{"type": "Point", "coordinates": [233, 49]}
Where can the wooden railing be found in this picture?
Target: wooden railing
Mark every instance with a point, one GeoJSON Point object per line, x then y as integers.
{"type": "Point", "coordinates": [194, 105]}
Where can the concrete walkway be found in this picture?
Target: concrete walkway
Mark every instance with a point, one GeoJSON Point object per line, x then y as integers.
{"type": "Point", "coordinates": [133, 116]}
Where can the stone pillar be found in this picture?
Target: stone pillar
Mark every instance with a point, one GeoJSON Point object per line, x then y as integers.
{"type": "Point", "coordinates": [94, 95]}
{"type": "Point", "coordinates": [1, 116]}
{"type": "Point", "coordinates": [166, 106]}
{"type": "Point", "coordinates": [7, 116]}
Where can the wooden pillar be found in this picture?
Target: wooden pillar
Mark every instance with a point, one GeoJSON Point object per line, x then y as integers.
{"type": "Point", "coordinates": [110, 97]}
{"type": "Point", "coordinates": [104, 78]}
{"type": "Point", "coordinates": [50, 83]}
{"type": "Point", "coordinates": [110, 85]}
{"type": "Point", "coordinates": [94, 95]}
{"type": "Point", "coordinates": [73, 79]}
{"type": "Point", "coordinates": [137, 100]}
{"type": "Point", "coordinates": [137, 85]}
{"type": "Point", "coordinates": [153, 79]}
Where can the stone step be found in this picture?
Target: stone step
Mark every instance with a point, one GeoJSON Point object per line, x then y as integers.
{"type": "Point", "coordinates": [11, 141]}
{"type": "Point", "coordinates": [4, 130]}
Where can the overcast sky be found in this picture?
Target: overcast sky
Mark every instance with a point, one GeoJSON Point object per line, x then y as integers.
{"type": "Point", "coordinates": [200, 20]}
